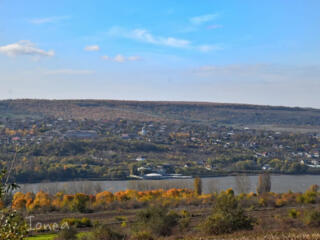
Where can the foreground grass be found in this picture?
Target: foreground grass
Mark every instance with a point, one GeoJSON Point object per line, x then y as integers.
{"type": "Point", "coordinates": [42, 237]}
{"type": "Point", "coordinates": [52, 236]}
{"type": "Point", "coordinates": [237, 236]}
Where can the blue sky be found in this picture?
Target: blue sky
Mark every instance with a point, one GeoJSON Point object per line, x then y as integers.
{"type": "Point", "coordinates": [258, 52]}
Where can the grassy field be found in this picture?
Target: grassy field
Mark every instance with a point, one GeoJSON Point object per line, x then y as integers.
{"type": "Point", "coordinates": [238, 236]}
{"type": "Point", "coordinates": [52, 236]}
{"type": "Point", "coordinates": [42, 237]}
{"type": "Point", "coordinates": [272, 223]}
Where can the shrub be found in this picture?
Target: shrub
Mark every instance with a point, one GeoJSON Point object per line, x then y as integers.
{"type": "Point", "coordinates": [86, 222]}
{"type": "Point", "coordinates": [227, 216]}
{"type": "Point", "coordinates": [312, 218]}
{"type": "Point", "coordinates": [280, 202]}
{"type": "Point", "coordinates": [12, 226]}
{"type": "Point", "coordinates": [300, 198]}
{"type": "Point", "coordinates": [313, 188]}
{"type": "Point", "coordinates": [103, 232]}
{"type": "Point", "coordinates": [67, 234]}
{"type": "Point", "coordinates": [143, 235]}
{"type": "Point", "coordinates": [122, 219]}
{"type": "Point", "coordinates": [310, 196]}
{"type": "Point", "coordinates": [77, 223]}
{"type": "Point", "coordinates": [184, 221]}
{"type": "Point", "coordinates": [157, 220]}
{"type": "Point", "coordinates": [293, 213]}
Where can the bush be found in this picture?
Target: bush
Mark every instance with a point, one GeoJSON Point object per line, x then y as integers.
{"type": "Point", "coordinates": [67, 234]}
{"type": "Point", "coordinates": [312, 218]}
{"type": "Point", "coordinates": [103, 232]}
{"type": "Point", "coordinates": [227, 216]}
{"type": "Point", "coordinates": [184, 221]}
{"type": "Point", "coordinates": [157, 220]}
{"type": "Point", "coordinates": [12, 226]}
{"type": "Point", "coordinates": [279, 202]}
{"type": "Point", "coordinates": [122, 219]}
{"type": "Point", "coordinates": [76, 222]}
{"type": "Point", "coordinates": [86, 222]}
{"type": "Point", "coordinates": [310, 196]}
{"type": "Point", "coordinates": [293, 213]}
{"type": "Point", "coordinates": [143, 235]}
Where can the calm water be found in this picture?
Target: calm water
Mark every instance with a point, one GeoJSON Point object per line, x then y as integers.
{"type": "Point", "coordinates": [280, 183]}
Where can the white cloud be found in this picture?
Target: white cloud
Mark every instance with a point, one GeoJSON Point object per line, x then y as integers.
{"type": "Point", "coordinates": [53, 19]}
{"type": "Point", "coordinates": [68, 72]}
{"type": "Point", "coordinates": [24, 47]}
{"type": "Point", "coordinates": [121, 59]}
{"type": "Point", "coordinates": [92, 48]}
{"type": "Point", "coordinates": [145, 36]}
{"type": "Point", "coordinates": [203, 19]}
{"type": "Point", "coordinates": [209, 48]}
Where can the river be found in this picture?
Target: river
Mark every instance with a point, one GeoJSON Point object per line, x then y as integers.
{"type": "Point", "coordinates": [279, 183]}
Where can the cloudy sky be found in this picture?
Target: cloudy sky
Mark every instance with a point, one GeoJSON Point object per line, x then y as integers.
{"type": "Point", "coordinates": [259, 52]}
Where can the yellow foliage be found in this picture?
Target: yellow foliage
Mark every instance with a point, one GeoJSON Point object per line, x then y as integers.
{"type": "Point", "coordinates": [104, 197]}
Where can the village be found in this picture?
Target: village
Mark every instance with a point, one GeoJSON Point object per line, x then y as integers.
{"type": "Point", "coordinates": [168, 150]}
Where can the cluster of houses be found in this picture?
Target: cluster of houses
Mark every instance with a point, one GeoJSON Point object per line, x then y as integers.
{"type": "Point", "coordinates": [262, 144]}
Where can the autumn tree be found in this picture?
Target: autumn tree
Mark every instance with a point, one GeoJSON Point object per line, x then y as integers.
{"type": "Point", "coordinates": [198, 186]}
{"type": "Point", "coordinates": [264, 183]}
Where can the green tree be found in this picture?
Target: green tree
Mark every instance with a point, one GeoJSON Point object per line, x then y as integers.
{"type": "Point", "coordinates": [156, 220]}
{"type": "Point", "coordinates": [228, 216]}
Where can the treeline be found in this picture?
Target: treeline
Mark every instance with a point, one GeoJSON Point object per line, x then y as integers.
{"type": "Point", "coordinates": [164, 111]}
{"type": "Point", "coordinates": [78, 147]}
{"type": "Point", "coordinates": [79, 202]}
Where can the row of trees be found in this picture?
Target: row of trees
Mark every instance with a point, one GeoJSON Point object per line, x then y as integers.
{"type": "Point", "coordinates": [79, 202]}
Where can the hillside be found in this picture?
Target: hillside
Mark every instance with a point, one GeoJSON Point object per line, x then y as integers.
{"type": "Point", "coordinates": [188, 112]}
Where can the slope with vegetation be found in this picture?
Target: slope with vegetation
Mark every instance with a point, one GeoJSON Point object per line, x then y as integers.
{"type": "Point", "coordinates": [198, 112]}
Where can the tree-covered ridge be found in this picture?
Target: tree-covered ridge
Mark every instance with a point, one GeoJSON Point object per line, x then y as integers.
{"type": "Point", "coordinates": [163, 111]}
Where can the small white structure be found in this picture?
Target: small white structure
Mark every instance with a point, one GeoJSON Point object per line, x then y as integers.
{"type": "Point", "coordinates": [266, 167]}
{"type": "Point", "coordinates": [140, 159]}
{"type": "Point", "coordinates": [143, 132]}
{"type": "Point", "coordinates": [153, 176]}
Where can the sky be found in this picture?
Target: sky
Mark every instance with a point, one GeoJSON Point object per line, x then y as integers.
{"type": "Point", "coordinates": [258, 52]}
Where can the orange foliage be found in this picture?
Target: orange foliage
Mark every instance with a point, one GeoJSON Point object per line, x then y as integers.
{"type": "Point", "coordinates": [104, 197]}
{"type": "Point", "coordinates": [22, 201]}
{"type": "Point", "coordinates": [41, 201]}
{"type": "Point", "coordinates": [82, 202]}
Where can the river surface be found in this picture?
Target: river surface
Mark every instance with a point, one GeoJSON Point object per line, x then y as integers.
{"type": "Point", "coordinates": [279, 183]}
